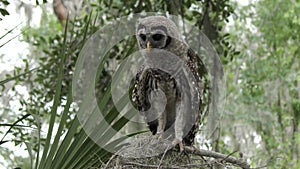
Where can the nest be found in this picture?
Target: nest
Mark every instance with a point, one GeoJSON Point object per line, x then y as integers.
{"type": "Point", "coordinates": [150, 152]}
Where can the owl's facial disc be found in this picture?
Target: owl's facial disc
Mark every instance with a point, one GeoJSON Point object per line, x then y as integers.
{"type": "Point", "coordinates": [155, 38]}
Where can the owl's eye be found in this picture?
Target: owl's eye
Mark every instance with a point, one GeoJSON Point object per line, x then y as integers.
{"type": "Point", "coordinates": [157, 37]}
{"type": "Point", "coordinates": [143, 37]}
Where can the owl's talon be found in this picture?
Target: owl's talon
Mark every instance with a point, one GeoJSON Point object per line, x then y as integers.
{"type": "Point", "coordinates": [178, 142]}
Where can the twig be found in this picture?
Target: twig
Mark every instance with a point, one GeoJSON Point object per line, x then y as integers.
{"type": "Point", "coordinates": [151, 165]}
{"type": "Point", "coordinates": [228, 156]}
{"type": "Point", "coordinates": [163, 156]}
{"type": "Point", "coordinates": [110, 159]}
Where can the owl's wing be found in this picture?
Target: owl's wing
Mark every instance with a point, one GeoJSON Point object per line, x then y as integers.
{"type": "Point", "coordinates": [205, 82]}
{"type": "Point", "coordinates": [198, 64]}
{"type": "Point", "coordinates": [198, 71]}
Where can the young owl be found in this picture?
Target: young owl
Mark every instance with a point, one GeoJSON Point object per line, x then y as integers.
{"type": "Point", "coordinates": [168, 88]}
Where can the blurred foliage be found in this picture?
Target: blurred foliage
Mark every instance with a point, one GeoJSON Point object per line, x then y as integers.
{"type": "Point", "coordinates": [3, 11]}
{"type": "Point", "coordinates": [263, 84]}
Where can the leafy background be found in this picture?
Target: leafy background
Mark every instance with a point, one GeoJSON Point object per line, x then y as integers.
{"type": "Point", "coordinates": [258, 44]}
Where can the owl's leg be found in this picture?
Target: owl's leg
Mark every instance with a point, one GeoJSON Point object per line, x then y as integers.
{"type": "Point", "coordinates": [158, 101]}
{"type": "Point", "coordinates": [179, 126]}
{"type": "Point", "coordinates": [162, 119]}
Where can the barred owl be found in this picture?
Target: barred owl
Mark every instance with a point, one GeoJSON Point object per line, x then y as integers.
{"type": "Point", "coordinates": [168, 95]}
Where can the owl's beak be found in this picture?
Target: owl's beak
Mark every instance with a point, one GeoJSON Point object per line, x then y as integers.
{"type": "Point", "coordinates": [148, 46]}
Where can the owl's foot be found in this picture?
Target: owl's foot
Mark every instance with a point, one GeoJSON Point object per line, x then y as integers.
{"type": "Point", "coordinates": [159, 136]}
{"type": "Point", "coordinates": [178, 142]}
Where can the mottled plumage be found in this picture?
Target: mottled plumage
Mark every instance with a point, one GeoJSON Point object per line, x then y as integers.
{"type": "Point", "coordinates": [168, 88]}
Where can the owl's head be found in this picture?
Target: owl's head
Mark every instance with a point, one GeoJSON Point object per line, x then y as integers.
{"type": "Point", "coordinates": [156, 32]}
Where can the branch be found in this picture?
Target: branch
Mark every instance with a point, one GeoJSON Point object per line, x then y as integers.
{"type": "Point", "coordinates": [216, 155]}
